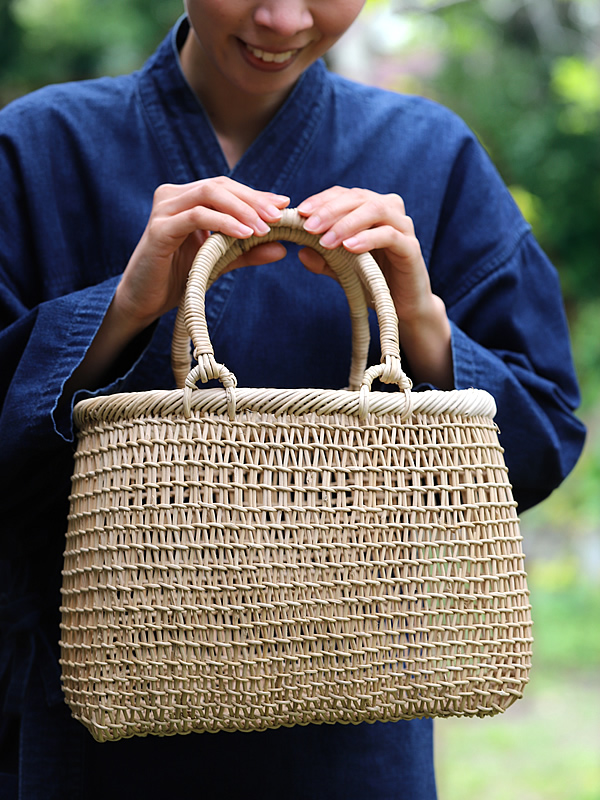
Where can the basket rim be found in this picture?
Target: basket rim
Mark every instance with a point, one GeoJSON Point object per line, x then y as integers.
{"type": "Point", "coordinates": [282, 402]}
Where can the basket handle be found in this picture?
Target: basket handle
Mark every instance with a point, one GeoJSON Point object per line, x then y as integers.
{"type": "Point", "coordinates": [352, 271]}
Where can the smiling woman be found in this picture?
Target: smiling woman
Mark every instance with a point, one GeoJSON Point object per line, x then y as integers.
{"type": "Point", "coordinates": [242, 59]}
{"type": "Point", "coordinates": [108, 189]}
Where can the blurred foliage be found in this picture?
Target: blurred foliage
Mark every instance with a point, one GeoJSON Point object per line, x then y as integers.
{"type": "Point", "coordinates": [526, 77]}
{"type": "Point", "coordinates": [566, 615]}
{"type": "Point", "coordinates": [49, 41]}
{"type": "Point", "coordinates": [544, 748]}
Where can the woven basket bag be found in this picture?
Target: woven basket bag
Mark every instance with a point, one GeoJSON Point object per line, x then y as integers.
{"type": "Point", "coordinates": [242, 559]}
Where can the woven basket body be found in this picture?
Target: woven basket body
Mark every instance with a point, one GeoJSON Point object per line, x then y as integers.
{"type": "Point", "coordinates": [300, 560]}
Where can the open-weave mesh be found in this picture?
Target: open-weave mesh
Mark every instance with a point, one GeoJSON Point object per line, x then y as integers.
{"type": "Point", "coordinates": [281, 569]}
{"type": "Point", "coordinates": [251, 558]}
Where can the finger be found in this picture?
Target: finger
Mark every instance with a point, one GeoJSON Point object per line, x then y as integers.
{"type": "Point", "coordinates": [315, 262]}
{"type": "Point", "coordinates": [202, 199]}
{"type": "Point", "coordinates": [386, 237]}
{"type": "Point", "coordinates": [222, 196]}
{"type": "Point", "coordinates": [308, 206]}
{"type": "Point", "coordinates": [252, 196]}
{"type": "Point", "coordinates": [166, 234]}
{"type": "Point", "coordinates": [332, 204]}
{"type": "Point", "coordinates": [267, 253]}
{"type": "Point", "coordinates": [378, 211]}
{"type": "Point", "coordinates": [190, 247]}
{"type": "Point", "coordinates": [249, 206]}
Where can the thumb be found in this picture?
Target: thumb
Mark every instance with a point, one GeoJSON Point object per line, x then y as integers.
{"type": "Point", "coordinates": [261, 254]}
{"type": "Point", "coordinates": [314, 262]}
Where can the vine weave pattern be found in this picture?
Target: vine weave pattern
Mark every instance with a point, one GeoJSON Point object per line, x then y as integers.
{"type": "Point", "coordinates": [290, 569]}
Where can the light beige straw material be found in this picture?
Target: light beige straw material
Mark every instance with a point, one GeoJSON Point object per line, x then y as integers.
{"type": "Point", "coordinates": [243, 559]}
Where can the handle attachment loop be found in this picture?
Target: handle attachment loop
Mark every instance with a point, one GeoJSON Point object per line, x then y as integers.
{"type": "Point", "coordinates": [205, 370]}
{"type": "Point", "coordinates": [390, 371]}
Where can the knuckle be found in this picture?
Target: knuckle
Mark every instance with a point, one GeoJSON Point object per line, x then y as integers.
{"type": "Point", "coordinates": [381, 204]}
{"type": "Point", "coordinates": [197, 216]}
{"type": "Point", "coordinates": [213, 187]}
{"type": "Point", "coordinates": [154, 228]}
{"type": "Point", "coordinates": [396, 199]}
{"type": "Point", "coordinates": [209, 189]}
{"type": "Point", "coordinates": [415, 248]}
{"type": "Point", "coordinates": [162, 192]}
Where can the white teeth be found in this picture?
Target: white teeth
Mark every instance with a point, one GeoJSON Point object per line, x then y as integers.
{"type": "Point", "coordinates": [264, 55]}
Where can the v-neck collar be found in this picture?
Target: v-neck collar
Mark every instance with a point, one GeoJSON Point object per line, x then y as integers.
{"type": "Point", "coordinates": [188, 141]}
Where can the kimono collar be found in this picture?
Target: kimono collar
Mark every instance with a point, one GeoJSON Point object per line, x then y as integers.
{"type": "Point", "coordinates": [187, 139]}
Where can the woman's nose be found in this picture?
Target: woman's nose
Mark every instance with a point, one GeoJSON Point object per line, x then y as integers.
{"type": "Point", "coordinates": [284, 17]}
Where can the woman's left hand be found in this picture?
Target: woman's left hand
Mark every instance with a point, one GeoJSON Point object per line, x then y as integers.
{"type": "Point", "coordinates": [364, 221]}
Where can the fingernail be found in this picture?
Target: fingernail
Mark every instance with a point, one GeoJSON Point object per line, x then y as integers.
{"type": "Point", "coordinates": [329, 239]}
{"type": "Point", "coordinates": [242, 230]}
{"type": "Point", "coordinates": [305, 207]}
{"type": "Point", "coordinates": [353, 241]}
{"type": "Point", "coordinates": [273, 212]}
{"type": "Point", "coordinates": [261, 227]}
{"type": "Point", "coordinates": [312, 224]}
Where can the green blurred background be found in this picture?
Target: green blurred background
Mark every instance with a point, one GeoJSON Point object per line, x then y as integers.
{"type": "Point", "coordinates": [525, 75]}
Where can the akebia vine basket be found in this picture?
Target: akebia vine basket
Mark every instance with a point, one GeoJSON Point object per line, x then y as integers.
{"type": "Point", "coordinates": [242, 559]}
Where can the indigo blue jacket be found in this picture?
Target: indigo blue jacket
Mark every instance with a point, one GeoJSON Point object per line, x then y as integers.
{"type": "Point", "coordinates": [78, 167]}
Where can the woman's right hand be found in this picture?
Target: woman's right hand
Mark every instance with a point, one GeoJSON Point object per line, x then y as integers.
{"type": "Point", "coordinates": [154, 280]}
{"type": "Point", "coordinates": [180, 221]}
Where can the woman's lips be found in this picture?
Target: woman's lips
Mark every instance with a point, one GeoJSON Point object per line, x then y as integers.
{"type": "Point", "coordinates": [268, 59]}
{"type": "Point", "coordinates": [265, 55]}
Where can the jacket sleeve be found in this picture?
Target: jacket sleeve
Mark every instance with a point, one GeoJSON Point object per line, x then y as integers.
{"type": "Point", "coordinates": [48, 318]}
{"type": "Point", "coordinates": [39, 350]}
{"type": "Point", "coordinates": [509, 330]}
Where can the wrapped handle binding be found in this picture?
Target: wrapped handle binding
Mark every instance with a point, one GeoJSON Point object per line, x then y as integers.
{"type": "Point", "coordinates": [353, 272]}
